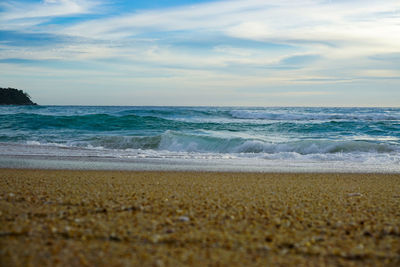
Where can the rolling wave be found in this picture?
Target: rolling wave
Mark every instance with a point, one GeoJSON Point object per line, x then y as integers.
{"type": "Point", "coordinates": [184, 142]}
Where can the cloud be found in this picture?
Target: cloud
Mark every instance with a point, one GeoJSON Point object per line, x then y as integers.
{"type": "Point", "coordinates": [283, 21]}
{"type": "Point", "coordinates": [219, 44]}
{"type": "Point", "coordinates": [334, 31]}
{"type": "Point", "coordinates": [47, 8]}
{"type": "Point", "coordinates": [301, 93]}
{"type": "Point", "coordinates": [22, 15]}
{"type": "Point", "coordinates": [249, 30]}
{"type": "Point", "coordinates": [355, 28]}
{"type": "Point", "coordinates": [380, 74]}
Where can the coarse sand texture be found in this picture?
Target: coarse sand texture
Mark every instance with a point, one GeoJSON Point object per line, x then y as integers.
{"type": "Point", "coordinates": [112, 218]}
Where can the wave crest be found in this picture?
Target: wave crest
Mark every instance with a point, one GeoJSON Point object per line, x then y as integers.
{"type": "Point", "coordinates": [287, 116]}
{"type": "Point", "coordinates": [183, 142]}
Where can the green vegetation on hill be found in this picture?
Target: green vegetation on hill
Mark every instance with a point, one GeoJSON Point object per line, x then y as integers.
{"type": "Point", "coordinates": [11, 96]}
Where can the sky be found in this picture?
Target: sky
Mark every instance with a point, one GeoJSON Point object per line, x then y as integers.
{"type": "Point", "coordinates": [194, 52]}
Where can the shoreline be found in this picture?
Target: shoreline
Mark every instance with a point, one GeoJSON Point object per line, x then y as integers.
{"type": "Point", "coordinates": [170, 218]}
{"type": "Point", "coordinates": [45, 162]}
{"type": "Point", "coordinates": [216, 172]}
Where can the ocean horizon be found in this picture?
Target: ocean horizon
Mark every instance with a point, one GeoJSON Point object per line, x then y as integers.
{"type": "Point", "coordinates": [286, 139]}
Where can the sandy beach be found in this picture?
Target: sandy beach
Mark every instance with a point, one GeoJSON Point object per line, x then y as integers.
{"type": "Point", "coordinates": [115, 218]}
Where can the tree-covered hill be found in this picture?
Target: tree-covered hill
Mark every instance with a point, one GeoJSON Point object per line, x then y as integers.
{"type": "Point", "coordinates": [11, 96]}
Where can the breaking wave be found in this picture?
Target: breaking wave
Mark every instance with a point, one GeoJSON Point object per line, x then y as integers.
{"type": "Point", "coordinates": [184, 142]}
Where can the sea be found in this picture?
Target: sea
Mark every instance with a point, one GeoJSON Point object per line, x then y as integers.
{"type": "Point", "coordinates": [260, 139]}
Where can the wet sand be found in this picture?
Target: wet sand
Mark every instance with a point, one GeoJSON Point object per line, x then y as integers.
{"type": "Point", "coordinates": [114, 218]}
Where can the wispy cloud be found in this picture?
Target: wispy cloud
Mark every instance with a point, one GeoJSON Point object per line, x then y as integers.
{"type": "Point", "coordinates": [46, 8]}
{"type": "Point", "coordinates": [322, 22]}
{"type": "Point", "coordinates": [236, 43]}
{"type": "Point", "coordinates": [334, 29]}
{"type": "Point", "coordinates": [22, 15]}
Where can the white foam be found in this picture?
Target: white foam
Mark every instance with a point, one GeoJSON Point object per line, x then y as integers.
{"type": "Point", "coordinates": [287, 116]}
{"type": "Point", "coordinates": [271, 152]}
{"type": "Point", "coordinates": [33, 143]}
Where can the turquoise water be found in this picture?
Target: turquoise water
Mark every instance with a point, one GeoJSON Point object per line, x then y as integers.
{"type": "Point", "coordinates": [315, 135]}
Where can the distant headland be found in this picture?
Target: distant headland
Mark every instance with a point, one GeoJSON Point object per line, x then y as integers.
{"type": "Point", "coordinates": [11, 96]}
